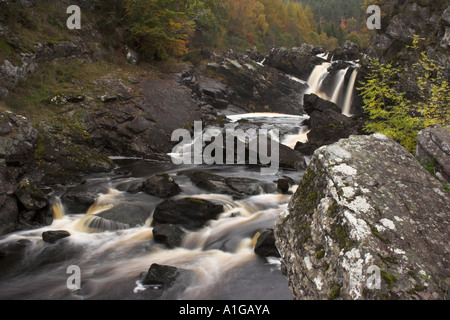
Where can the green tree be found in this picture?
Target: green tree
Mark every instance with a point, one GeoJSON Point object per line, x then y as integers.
{"type": "Point", "coordinates": [433, 87]}
{"type": "Point", "coordinates": [391, 113]}
{"type": "Point", "coordinates": [388, 110]}
{"type": "Point", "coordinates": [162, 27]}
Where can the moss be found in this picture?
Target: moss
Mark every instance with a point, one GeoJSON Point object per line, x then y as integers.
{"type": "Point", "coordinates": [39, 152]}
{"type": "Point", "coordinates": [333, 209]}
{"type": "Point", "coordinates": [304, 231]}
{"type": "Point", "coordinates": [378, 210]}
{"type": "Point", "coordinates": [417, 288]}
{"type": "Point", "coordinates": [307, 196]}
{"type": "Point", "coordinates": [341, 235]}
{"type": "Point", "coordinates": [335, 291]}
{"type": "Point", "coordinates": [389, 279]}
{"type": "Point", "coordinates": [376, 233]}
{"type": "Point", "coordinates": [320, 251]}
{"type": "Point", "coordinates": [387, 260]}
{"type": "Point", "coordinates": [412, 273]}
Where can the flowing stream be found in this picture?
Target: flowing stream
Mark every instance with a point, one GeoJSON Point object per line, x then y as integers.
{"type": "Point", "coordinates": [220, 256]}
{"type": "Point", "coordinates": [113, 258]}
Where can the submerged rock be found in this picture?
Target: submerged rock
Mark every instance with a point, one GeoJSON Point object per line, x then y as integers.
{"type": "Point", "coordinates": [366, 222]}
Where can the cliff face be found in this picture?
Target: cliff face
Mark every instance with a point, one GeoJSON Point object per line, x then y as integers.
{"type": "Point", "coordinates": [402, 19]}
{"type": "Point", "coordinates": [366, 222]}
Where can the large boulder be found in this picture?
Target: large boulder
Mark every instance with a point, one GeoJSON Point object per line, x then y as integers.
{"type": "Point", "coordinates": [433, 149]}
{"type": "Point", "coordinates": [366, 222]}
{"type": "Point", "coordinates": [191, 213]}
{"type": "Point", "coordinates": [234, 186]}
{"type": "Point", "coordinates": [162, 186]}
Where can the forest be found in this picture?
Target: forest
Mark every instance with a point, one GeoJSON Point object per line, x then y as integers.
{"type": "Point", "coordinates": [167, 28]}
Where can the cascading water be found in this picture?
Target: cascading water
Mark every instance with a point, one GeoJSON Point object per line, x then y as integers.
{"type": "Point", "coordinates": [341, 93]}
{"type": "Point", "coordinates": [349, 93]}
{"type": "Point", "coordinates": [339, 85]}
{"type": "Point", "coordinates": [316, 78]}
{"type": "Point", "coordinates": [112, 255]}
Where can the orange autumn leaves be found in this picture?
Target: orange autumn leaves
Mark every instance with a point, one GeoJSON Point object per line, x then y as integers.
{"type": "Point", "coordinates": [165, 28]}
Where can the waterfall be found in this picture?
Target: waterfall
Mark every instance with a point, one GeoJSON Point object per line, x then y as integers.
{"type": "Point", "coordinates": [58, 209]}
{"type": "Point", "coordinates": [340, 79]}
{"type": "Point", "coordinates": [324, 55]}
{"type": "Point", "coordinates": [349, 94]}
{"type": "Point", "coordinates": [317, 76]}
{"type": "Point", "coordinates": [262, 62]}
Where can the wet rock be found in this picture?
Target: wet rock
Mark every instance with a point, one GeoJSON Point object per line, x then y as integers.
{"type": "Point", "coordinates": [124, 214]}
{"type": "Point", "coordinates": [168, 234]}
{"type": "Point", "coordinates": [54, 236]}
{"type": "Point", "coordinates": [366, 204]}
{"type": "Point", "coordinates": [161, 275]}
{"type": "Point", "coordinates": [235, 186]}
{"type": "Point", "coordinates": [433, 149]}
{"type": "Point", "coordinates": [283, 185]}
{"type": "Point", "coordinates": [318, 119]}
{"type": "Point", "coordinates": [298, 62]}
{"type": "Point", "coordinates": [265, 245]}
{"type": "Point", "coordinates": [191, 213]}
{"type": "Point", "coordinates": [312, 102]}
{"type": "Point", "coordinates": [329, 133]}
{"type": "Point", "coordinates": [78, 201]}
{"type": "Point", "coordinates": [161, 185]}
{"type": "Point", "coordinates": [30, 196]}
{"type": "Point", "coordinates": [290, 159]}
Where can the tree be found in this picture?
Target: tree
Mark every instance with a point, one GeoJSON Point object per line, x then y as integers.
{"type": "Point", "coordinates": [388, 109]}
{"type": "Point", "coordinates": [391, 113]}
{"type": "Point", "coordinates": [161, 27]}
{"type": "Point", "coordinates": [433, 87]}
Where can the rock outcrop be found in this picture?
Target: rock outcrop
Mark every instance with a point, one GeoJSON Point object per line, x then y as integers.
{"type": "Point", "coordinates": [247, 85]}
{"type": "Point", "coordinates": [366, 222]}
{"type": "Point", "coordinates": [403, 19]}
{"type": "Point", "coordinates": [433, 149]}
{"type": "Point", "coordinates": [327, 124]}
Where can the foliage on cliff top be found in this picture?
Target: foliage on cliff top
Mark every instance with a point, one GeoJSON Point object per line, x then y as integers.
{"type": "Point", "coordinates": [390, 112]}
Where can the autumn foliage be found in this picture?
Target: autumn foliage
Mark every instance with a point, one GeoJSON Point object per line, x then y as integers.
{"type": "Point", "coordinates": [162, 28]}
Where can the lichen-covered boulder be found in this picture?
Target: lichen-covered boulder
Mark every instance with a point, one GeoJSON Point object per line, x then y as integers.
{"type": "Point", "coordinates": [366, 222]}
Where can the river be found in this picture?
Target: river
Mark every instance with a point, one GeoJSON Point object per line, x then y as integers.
{"type": "Point", "coordinates": [220, 255]}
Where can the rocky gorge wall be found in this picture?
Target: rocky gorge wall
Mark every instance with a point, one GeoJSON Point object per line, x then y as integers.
{"type": "Point", "coordinates": [366, 204]}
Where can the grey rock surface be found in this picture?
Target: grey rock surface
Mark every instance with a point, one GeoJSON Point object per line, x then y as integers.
{"type": "Point", "coordinates": [366, 222]}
